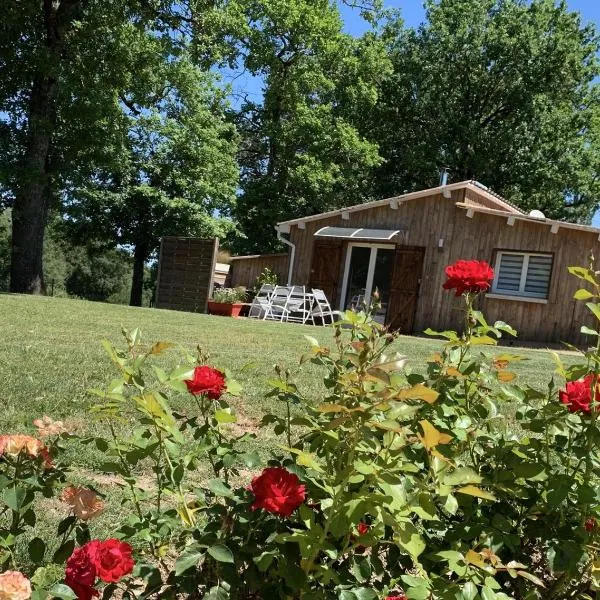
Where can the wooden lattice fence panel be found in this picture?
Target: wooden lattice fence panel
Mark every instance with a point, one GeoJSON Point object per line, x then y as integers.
{"type": "Point", "coordinates": [185, 273]}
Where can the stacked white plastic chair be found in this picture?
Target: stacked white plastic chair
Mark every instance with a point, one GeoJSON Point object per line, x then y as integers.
{"type": "Point", "coordinates": [262, 301]}
{"type": "Point", "coordinates": [298, 307]}
{"type": "Point", "coordinates": [321, 308]}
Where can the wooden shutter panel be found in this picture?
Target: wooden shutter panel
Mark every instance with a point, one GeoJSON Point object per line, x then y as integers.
{"type": "Point", "coordinates": [404, 289]}
{"type": "Point", "coordinates": [325, 268]}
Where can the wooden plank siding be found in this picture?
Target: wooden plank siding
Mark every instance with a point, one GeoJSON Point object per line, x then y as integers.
{"type": "Point", "coordinates": [425, 221]}
{"type": "Point", "coordinates": [244, 270]}
{"type": "Point", "coordinates": [185, 273]}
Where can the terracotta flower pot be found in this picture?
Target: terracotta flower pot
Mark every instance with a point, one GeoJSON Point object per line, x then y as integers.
{"type": "Point", "coordinates": [225, 310]}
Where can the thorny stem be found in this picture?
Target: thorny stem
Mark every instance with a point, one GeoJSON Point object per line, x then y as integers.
{"type": "Point", "coordinates": [191, 520]}
{"type": "Point", "coordinates": [159, 479]}
{"type": "Point", "coordinates": [594, 405]}
{"type": "Point", "coordinates": [125, 466]}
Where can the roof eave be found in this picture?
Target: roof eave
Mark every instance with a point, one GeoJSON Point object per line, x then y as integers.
{"type": "Point", "coordinates": [284, 226]}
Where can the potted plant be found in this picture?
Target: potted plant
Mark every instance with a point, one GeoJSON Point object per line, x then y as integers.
{"type": "Point", "coordinates": [227, 302]}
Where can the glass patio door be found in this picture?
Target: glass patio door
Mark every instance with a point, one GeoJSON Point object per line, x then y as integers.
{"type": "Point", "coordinates": [368, 268]}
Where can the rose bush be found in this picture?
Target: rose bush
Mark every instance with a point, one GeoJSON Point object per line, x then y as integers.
{"type": "Point", "coordinates": [451, 483]}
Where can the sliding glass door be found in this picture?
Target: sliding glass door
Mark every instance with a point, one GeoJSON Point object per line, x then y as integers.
{"type": "Point", "coordinates": [368, 268]}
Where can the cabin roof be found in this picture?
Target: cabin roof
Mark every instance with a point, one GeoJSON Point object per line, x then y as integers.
{"type": "Point", "coordinates": [495, 199]}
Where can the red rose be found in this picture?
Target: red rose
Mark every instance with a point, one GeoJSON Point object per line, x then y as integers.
{"type": "Point", "coordinates": [208, 381]}
{"type": "Point", "coordinates": [577, 395]}
{"type": "Point", "coordinates": [398, 597]}
{"type": "Point", "coordinates": [113, 560]}
{"type": "Point", "coordinates": [80, 573]}
{"type": "Point", "coordinates": [472, 276]}
{"type": "Point", "coordinates": [362, 528]}
{"type": "Point", "coordinates": [277, 491]}
{"type": "Point", "coordinates": [590, 524]}
{"type": "Point", "coordinates": [84, 592]}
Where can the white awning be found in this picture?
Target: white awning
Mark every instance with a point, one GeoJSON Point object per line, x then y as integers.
{"type": "Point", "coordinates": [357, 234]}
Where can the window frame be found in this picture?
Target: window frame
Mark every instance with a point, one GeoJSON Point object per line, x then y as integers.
{"type": "Point", "coordinates": [520, 294]}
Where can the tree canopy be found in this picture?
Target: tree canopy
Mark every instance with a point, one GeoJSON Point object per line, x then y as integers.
{"type": "Point", "coordinates": [301, 150]}
{"type": "Point", "coordinates": [115, 121]}
{"type": "Point", "coordinates": [497, 90]}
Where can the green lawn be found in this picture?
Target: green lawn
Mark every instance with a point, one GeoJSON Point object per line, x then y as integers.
{"type": "Point", "coordinates": [50, 355]}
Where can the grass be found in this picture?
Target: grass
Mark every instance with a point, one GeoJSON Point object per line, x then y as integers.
{"type": "Point", "coordinates": [51, 354]}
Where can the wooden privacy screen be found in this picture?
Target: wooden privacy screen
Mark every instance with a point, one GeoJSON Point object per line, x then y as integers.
{"type": "Point", "coordinates": [185, 273]}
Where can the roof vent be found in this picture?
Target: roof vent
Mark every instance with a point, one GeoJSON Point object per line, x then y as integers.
{"type": "Point", "coordinates": [537, 214]}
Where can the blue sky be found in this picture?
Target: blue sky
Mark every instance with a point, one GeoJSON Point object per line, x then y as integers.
{"type": "Point", "coordinates": [413, 13]}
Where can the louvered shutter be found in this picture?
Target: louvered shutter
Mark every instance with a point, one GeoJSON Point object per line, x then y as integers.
{"type": "Point", "coordinates": [509, 273]}
{"type": "Point", "coordinates": [538, 276]}
{"type": "Point", "coordinates": [523, 274]}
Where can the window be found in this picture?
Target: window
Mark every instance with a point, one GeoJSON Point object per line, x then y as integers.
{"type": "Point", "coordinates": [522, 274]}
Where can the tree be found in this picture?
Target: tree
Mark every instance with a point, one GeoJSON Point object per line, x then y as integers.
{"type": "Point", "coordinates": [497, 90]}
{"type": "Point", "coordinates": [176, 173]}
{"type": "Point", "coordinates": [65, 66]}
{"type": "Point", "coordinates": [301, 151]}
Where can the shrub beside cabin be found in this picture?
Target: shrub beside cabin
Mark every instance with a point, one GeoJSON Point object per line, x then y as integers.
{"type": "Point", "coordinates": [401, 245]}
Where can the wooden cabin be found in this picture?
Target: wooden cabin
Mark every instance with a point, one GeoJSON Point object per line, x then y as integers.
{"type": "Point", "coordinates": [401, 245]}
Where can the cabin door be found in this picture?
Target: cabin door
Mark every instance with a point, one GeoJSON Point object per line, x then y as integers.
{"type": "Point", "coordinates": [325, 267]}
{"type": "Point", "coordinates": [368, 268]}
{"type": "Point", "coordinates": [406, 278]}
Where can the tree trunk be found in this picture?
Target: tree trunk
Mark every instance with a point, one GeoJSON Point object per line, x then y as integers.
{"type": "Point", "coordinates": [32, 193]}
{"type": "Point", "coordinates": [140, 254]}
{"type": "Point", "coordinates": [30, 210]}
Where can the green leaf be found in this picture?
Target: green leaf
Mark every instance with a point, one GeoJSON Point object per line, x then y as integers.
{"type": "Point", "coordinates": [595, 308]}
{"type": "Point", "coordinates": [451, 504]}
{"type": "Point", "coordinates": [37, 550]}
{"type": "Point", "coordinates": [221, 553]}
{"type": "Point", "coordinates": [461, 476]}
{"type": "Point", "coordinates": [16, 498]}
{"type": "Point", "coordinates": [217, 593]}
{"type": "Point", "coordinates": [234, 388]}
{"type": "Point", "coordinates": [61, 555]}
{"type": "Point", "coordinates": [469, 591]}
{"type": "Point", "coordinates": [583, 294]}
{"type": "Point", "coordinates": [588, 330]}
{"type": "Point", "coordinates": [187, 561]}
{"type": "Point", "coordinates": [219, 488]}
{"type": "Point", "coordinates": [365, 593]}
{"type": "Point", "coordinates": [410, 539]}
{"type": "Point", "coordinates": [582, 273]}
{"type": "Point", "coordinates": [223, 416]}
{"type": "Point", "coordinates": [361, 569]}
{"type": "Point", "coordinates": [487, 593]}
{"type": "Point", "coordinates": [60, 590]}
{"type": "Point", "coordinates": [251, 459]}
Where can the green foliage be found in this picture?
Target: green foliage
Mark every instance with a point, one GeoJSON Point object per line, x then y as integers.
{"type": "Point", "coordinates": [301, 151]}
{"type": "Point", "coordinates": [177, 168]}
{"type": "Point", "coordinates": [229, 295]}
{"type": "Point", "coordinates": [266, 277]}
{"type": "Point", "coordinates": [414, 484]}
{"type": "Point", "coordinates": [499, 91]}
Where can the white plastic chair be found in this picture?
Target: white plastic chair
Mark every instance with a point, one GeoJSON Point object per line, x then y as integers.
{"type": "Point", "coordinates": [262, 302]}
{"type": "Point", "coordinates": [321, 308]}
{"type": "Point", "coordinates": [298, 307]}
{"type": "Point", "coordinates": [277, 303]}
